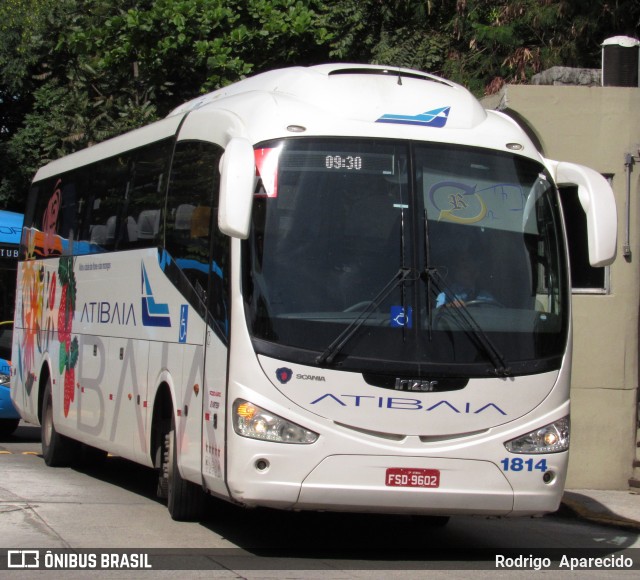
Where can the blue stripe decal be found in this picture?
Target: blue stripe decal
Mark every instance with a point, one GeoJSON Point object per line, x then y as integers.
{"type": "Point", "coordinates": [434, 118]}
{"type": "Point", "coordinates": [153, 313]}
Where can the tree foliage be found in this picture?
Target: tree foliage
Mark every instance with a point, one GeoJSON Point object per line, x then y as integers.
{"type": "Point", "coordinates": [480, 43]}
{"type": "Point", "coordinates": [74, 72]}
{"type": "Point", "coordinates": [84, 70]}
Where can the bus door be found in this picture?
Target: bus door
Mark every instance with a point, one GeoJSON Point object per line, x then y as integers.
{"type": "Point", "coordinates": [216, 349]}
{"type": "Point", "coordinates": [202, 254]}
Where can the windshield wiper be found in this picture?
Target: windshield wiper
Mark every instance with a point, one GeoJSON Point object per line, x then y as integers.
{"type": "Point", "coordinates": [462, 312]}
{"type": "Point", "coordinates": [338, 344]}
{"type": "Point", "coordinates": [432, 278]}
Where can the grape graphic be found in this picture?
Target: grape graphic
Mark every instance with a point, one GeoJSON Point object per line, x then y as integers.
{"type": "Point", "coordinates": [68, 347]}
{"type": "Point", "coordinates": [64, 320]}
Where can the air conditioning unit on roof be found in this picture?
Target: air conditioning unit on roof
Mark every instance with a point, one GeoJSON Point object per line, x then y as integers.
{"type": "Point", "coordinates": [620, 62]}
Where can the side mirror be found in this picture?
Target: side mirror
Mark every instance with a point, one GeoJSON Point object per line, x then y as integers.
{"type": "Point", "coordinates": [599, 204]}
{"type": "Point", "coordinates": [237, 180]}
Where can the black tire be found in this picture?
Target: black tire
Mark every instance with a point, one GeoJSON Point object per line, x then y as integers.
{"type": "Point", "coordinates": [8, 426]}
{"type": "Point", "coordinates": [431, 521]}
{"type": "Point", "coordinates": [185, 500]}
{"type": "Point", "coordinates": [92, 457]}
{"type": "Point", "coordinates": [57, 450]}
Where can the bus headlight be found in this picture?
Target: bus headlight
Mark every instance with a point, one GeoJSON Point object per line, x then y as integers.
{"type": "Point", "coordinates": [254, 422]}
{"type": "Point", "coordinates": [4, 379]}
{"type": "Point", "coordinates": [551, 438]}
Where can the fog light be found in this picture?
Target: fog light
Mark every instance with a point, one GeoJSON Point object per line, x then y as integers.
{"type": "Point", "coordinates": [262, 465]}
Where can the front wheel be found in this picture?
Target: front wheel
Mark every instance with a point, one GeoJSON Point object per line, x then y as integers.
{"type": "Point", "coordinates": [57, 450]}
{"type": "Point", "coordinates": [185, 500]}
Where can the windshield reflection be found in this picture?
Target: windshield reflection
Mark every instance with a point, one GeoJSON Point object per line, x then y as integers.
{"type": "Point", "coordinates": [335, 220]}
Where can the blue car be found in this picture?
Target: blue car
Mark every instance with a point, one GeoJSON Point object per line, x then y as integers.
{"type": "Point", "coordinates": [9, 417]}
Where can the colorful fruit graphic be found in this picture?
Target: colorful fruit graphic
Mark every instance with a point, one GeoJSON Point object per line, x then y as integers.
{"type": "Point", "coordinates": [64, 320]}
{"type": "Point", "coordinates": [68, 347]}
{"type": "Point", "coordinates": [38, 293]}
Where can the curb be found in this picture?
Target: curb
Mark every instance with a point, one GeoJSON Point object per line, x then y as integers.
{"type": "Point", "coordinates": [580, 510]}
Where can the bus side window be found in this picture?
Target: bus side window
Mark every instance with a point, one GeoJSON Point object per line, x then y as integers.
{"type": "Point", "coordinates": [77, 212]}
{"type": "Point", "coordinates": [141, 215]}
{"type": "Point", "coordinates": [102, 186]}
{"type": "Point", "coordinates": [55, 219]}
{"type": "Point", "coordinates": [585, 278]}
{"type": "Point", "coordinates": [192, 237]}
{"type": "Point", "coordinates": [43, 241]}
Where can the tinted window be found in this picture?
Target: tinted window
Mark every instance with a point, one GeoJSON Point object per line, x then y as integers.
{"type": "Point", "coordinates": [193, 239]}
{"type": "Point", "coordinates": [583, 274]}
{"type": "Point", "coordinates": [393, 256]}
{"type": "Point", "coordinates": [115, 204]}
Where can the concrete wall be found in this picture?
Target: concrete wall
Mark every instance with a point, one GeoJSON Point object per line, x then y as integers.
{"type": "Point", "coordinates": [596, 126]}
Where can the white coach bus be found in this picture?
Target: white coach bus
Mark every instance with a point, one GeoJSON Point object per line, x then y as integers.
{"type": "Point", "coordinates": [340, 287]}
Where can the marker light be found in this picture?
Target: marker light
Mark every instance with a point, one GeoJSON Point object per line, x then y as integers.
{"type": "Point", "coordinates": [252, 421]}
{"type": "Point", "coordinates": [552, 438]}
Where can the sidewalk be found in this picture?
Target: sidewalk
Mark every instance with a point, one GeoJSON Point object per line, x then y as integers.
{"type": "Point", "coordinates": [607, 507]}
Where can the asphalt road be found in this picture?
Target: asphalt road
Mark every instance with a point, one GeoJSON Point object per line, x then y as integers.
{"type": "Point", "coordinates": [112, 508]}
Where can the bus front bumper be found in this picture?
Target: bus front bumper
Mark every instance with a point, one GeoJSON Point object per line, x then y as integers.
{"type": "Point", "coordinates": [388, 484]}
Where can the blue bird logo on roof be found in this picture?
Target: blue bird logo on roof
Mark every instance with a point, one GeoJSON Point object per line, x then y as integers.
{"type": "Point", "coordinates": [433, 118]}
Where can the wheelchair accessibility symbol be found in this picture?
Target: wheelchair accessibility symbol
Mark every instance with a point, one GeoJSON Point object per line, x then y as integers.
{"type": "Point", "coordinates": [401, 318]}
{"type": "Point", "coordinates": [184, 321]}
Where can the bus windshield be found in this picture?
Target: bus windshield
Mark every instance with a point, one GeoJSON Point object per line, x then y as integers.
{"type": "Point", "coordinates": [391, 257]}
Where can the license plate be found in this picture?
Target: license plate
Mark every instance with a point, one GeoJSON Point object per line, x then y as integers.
{"type": "Point", "coordinates": [412, 477]}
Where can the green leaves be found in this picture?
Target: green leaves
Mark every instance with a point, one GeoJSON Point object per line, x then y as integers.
{"type": "Point", "coordinates": [75, 72]}
{"type": "Point", "coordinates": [198, 45]}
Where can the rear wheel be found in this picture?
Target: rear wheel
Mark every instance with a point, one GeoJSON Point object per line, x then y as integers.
{"type": "Point", "coordinates": [185, 500]}
{"type": "Point", "coordinates": [57, 450]}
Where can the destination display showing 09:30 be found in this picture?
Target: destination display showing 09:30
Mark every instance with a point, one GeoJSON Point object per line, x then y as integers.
{"type": "Point", "coordinates": [348, 162]}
